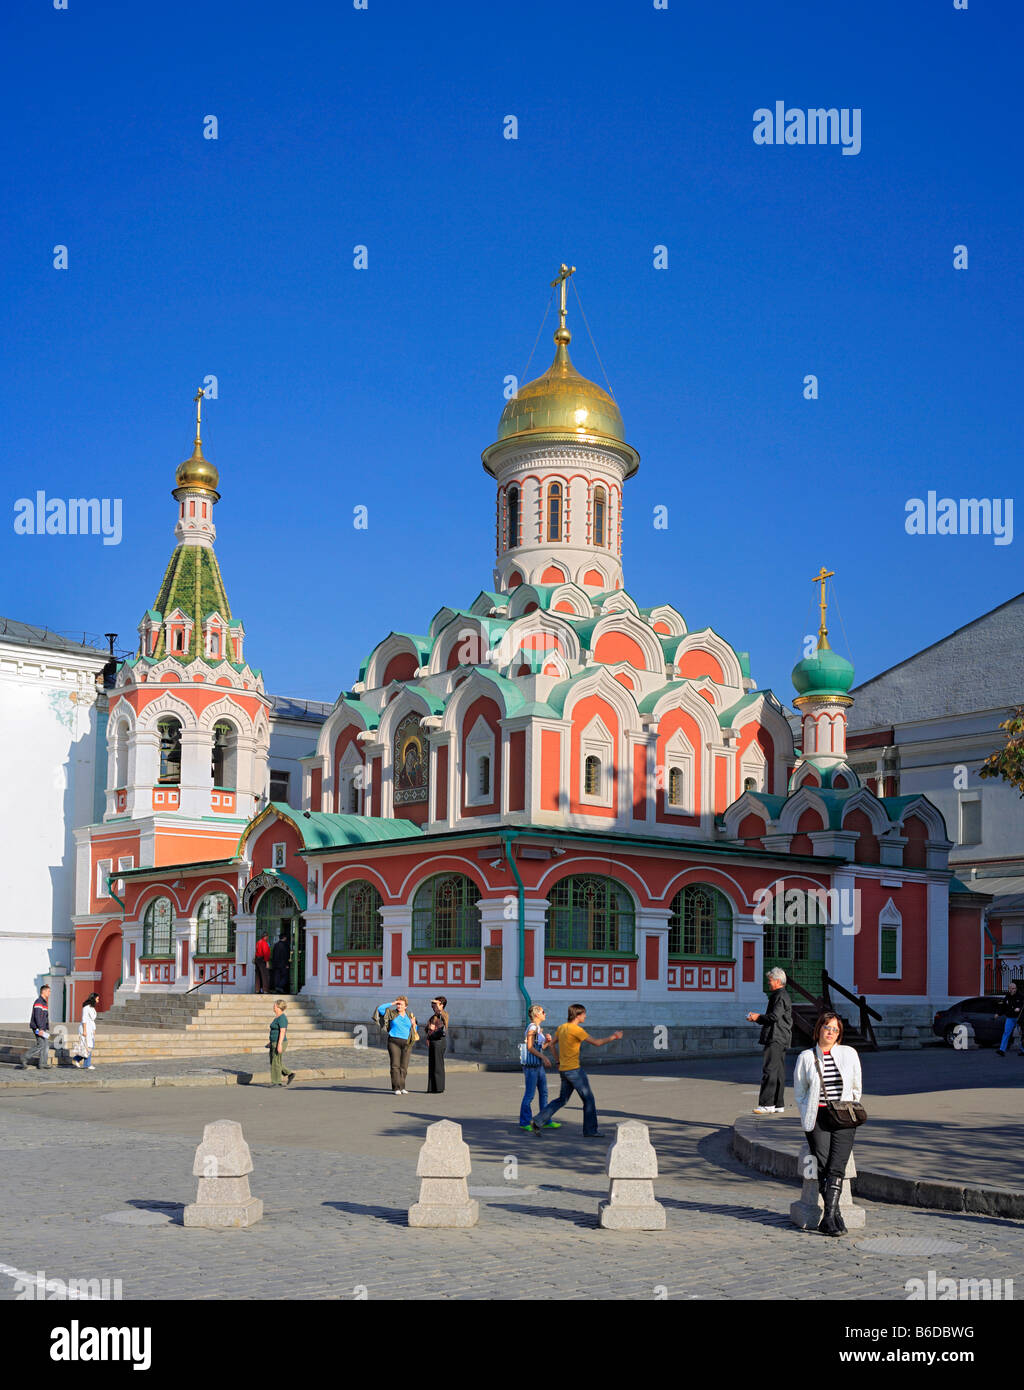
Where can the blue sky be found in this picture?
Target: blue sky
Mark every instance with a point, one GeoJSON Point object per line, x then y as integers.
{"type": "Point", "coordinates": [340, 388]}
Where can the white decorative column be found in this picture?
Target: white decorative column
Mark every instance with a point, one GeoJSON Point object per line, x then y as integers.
{"type": "Point", "coordinates": [397, 923]}
{"type": "Point", "coordinates": [196, 778]}
{"type": "Point", "coordinates": [318, 929]}
{"type": "Point", "coordinates": [938, 944]}
{"type": "Point", "coordinates": [184, 937]}
{"type": "Point", "coordinates": [841, 936]}
{"type": "Point", "coordinates": [652, 925]}
{"type": "Point", "coordinates": [750, 992]}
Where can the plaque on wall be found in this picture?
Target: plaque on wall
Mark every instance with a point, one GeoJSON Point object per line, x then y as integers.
{"type": "Point", "coordinates": [492, 962]}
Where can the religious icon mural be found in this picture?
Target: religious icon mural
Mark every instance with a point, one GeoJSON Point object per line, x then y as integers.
{"type": "Point", "coordinates": [410, 762]}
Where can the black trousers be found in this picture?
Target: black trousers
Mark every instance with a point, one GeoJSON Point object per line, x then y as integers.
{"type": "Point", "coordinates": [435, 1064]}
{"type": "Point", "coordinates": [831, 1147]}
{"type": "Point", "coordinates": [261, 977]}
{"type": "Point", "coordinates": [773, 1075]}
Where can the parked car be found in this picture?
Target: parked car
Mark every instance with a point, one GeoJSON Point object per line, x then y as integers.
{"type": "Point", "coordinates": [981, 1013]}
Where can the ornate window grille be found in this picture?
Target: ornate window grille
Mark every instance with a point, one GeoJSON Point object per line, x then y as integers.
{"type": "Point", "coordinates": [356, 923]}
{"type": "Point", "coordinates": [158, 928]}
{"type": "Point", "coordinates": [700, 924]}
{"type": "Point", "coordinates": [215, 935]}
{"type": "Point", "coordinates": [587, 915]}
{"type": "Point", "coordinates": [445, 915]}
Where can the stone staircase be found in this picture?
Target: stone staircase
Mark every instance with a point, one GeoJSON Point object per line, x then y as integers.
{"type": "Point", "coordinates": [195, 1025]}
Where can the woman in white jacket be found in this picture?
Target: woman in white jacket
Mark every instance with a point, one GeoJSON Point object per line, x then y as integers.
{"type": "Point", "coordinates": [838, 1068]}
{"type": "Point", "coordinates": [86, 1034]}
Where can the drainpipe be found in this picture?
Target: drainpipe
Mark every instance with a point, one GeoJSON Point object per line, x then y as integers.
{"type": "Point", "coordinates": [507, 836]}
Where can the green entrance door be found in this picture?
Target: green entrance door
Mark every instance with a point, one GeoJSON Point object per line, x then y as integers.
{"type": "Point", "coordinates": [799, 948]}
{"type": "Point", "coordinates": [276, 912]}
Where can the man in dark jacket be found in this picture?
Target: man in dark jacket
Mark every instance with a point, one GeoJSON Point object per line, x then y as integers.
{"type": "Point", "coordinates": [776, 1035]}
{"type": "Point", "coordinates": [1010, 1007]}
{"type": "Point", "coordinates": [279, 964]}
{"type": "Point", "coordinates": [39, 1024]}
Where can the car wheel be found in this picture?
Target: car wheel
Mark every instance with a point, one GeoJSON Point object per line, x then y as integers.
{"type": "Point", "coordinates": [948, 1037]}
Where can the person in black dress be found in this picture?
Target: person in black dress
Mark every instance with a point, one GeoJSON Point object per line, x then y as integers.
{"type": "Point", "coordinates": [437, 1043]}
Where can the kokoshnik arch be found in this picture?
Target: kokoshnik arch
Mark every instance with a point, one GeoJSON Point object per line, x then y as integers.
{"type": "Point", "coordinates": [552, 791]}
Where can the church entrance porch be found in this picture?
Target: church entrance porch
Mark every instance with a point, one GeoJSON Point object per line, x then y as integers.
{"type": "Point", "coordinates": [277, 915]}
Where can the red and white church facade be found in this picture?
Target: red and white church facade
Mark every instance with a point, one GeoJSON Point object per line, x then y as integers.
{"type": "Point", "coordinates": [552, 793]}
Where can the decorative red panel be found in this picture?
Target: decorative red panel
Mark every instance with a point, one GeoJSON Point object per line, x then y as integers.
{"type": "Point", "coordinates": [396, 953]}
{"type": "Point", "coordinates": [748, 962]}
{"type": "Point", "coordinates": [651, 954]}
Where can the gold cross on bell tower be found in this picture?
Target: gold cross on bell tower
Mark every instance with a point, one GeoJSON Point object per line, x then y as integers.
{"type": "Point", "coordinates": [198, 398]}
{"type": "Point", "coordinates": [820, 578]}
{"type": "Point", "coordinates": [562, 278]}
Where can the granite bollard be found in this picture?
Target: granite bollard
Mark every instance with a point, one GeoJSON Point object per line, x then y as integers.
{"type": "Point", "coordinates": [443, 1167]}
{"type": "Point", "coordinates": [632, 1168]}
{"type": "Point", "coordinates": [222, 1165]}
{"type": "Point", "coordinates": [807, 1213]}
{"type": "Point", "coordinates": [910, 1038]}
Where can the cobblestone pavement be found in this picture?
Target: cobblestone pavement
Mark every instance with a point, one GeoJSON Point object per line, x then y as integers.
{"type": "Point", "coordinates": [335, 1166]}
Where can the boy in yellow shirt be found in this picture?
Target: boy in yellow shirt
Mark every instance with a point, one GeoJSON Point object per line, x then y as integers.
{"type": "Point", "coordinates": [570, 1036]}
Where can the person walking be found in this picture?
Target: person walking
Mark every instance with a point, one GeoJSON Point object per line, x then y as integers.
{"type": "Point", "coordinates": [400, 1026]}
{"type": "Point", "coordinates": [1010, 1007]}
{"type": "Point", "coordinates": [568, 1040]}
{"type": "Point", "coordinates": [86, 1034]}
{"type": "Point", "coordinates": [39, 1024]}
{"type": "Point", "coordinates": [278, 1043]}
{"type": "Point", "coordinates": [776, 1035]}
{"type": "Point", "coordinates": [279, 957]}
{"type": "Point", "coordinates": [262, 965]}
{"type": "Point", "coordinates": [437, 1044]}
{"type": "Point", "coordinates": [827, 1072]}
{"type": "Point", "coordinates": [535, 1066]}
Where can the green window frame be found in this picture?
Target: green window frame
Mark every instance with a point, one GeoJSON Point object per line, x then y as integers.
{"type": "Point", "coordinates": [158, 929]}
{"type": "Point", "coordinates": [700, 925]}
{"type": "Point", "coordinates": [588, 915]}
{"type": "Point", "coordinates": [889, 951]}
{"type": "Point", "coordinates": [215, 929]}
{"type": "Point", "coordinates": [356, 923]}
{"type": "Point", "coordinates": [445, 915]}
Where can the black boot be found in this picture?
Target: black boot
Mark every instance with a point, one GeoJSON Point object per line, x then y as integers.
{"type": "Point", "coordinates": [831, 1223]}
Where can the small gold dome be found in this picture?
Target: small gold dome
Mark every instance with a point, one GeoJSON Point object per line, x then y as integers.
{"type": "Point", "coordinates": [561, 400]}
{"type": "Point", "coordinates": [197, 472]}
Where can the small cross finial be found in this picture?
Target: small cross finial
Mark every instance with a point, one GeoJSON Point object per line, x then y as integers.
{"type": "Point", "coordinates": [198, 398]}
{"type": "Point", "coordinates": [820, 578]}
{"type": "Point", "coordinates": [564, 271]}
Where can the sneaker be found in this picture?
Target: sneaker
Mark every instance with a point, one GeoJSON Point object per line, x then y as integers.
{"type": "Point", "coordinates": [529, 1126]}
{"type": "Point", "coordinates": [75, 1062]}
{"type": "Point", "coordinates": [405, 1093]}
{"type": "Point", "coordinates": [553, 1124]}
{"type": "Point", "coordinates": [764, 1109]}
{"type": "Point", "coordinates": [780, 1110]}
{"type": "Point", "coordinates": [290, 1078]}
{"type": "Point", "coordinates": [399, 1093]}
{"type": "Point", "coordinates": [597, 1134]}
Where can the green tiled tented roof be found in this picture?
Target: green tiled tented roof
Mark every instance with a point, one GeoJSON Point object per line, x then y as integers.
{"type": "Point", "coordinates": [193, 583]}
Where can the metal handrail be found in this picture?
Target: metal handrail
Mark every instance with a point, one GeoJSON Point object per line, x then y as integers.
{"type": "Point", "coordinates": [219, 976]}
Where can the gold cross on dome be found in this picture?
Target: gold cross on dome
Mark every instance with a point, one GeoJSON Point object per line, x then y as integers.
{"type": "Point", "coordinates": [562, 278]}
{"type": "Point", "coordinates": [820, 578]}
{"type": "Point", "coordinates": [198, 398]}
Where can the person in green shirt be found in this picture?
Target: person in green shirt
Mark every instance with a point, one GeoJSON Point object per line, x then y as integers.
{"type": "Point", "coordinates": [278, 1043]}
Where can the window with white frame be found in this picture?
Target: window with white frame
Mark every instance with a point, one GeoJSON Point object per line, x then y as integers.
{"type": "Point", "coordinates": [279, 856]}
{"type": "Point", "coordinates": [970, 818]}
{"type": "Point", "coordinates": [479, 764]}
{"type": "Point", "coordinates": [279, 783]}
{"type": "Point", "coordinates": [597, 751]}
{"type": "Point", "coordinates": [350, 775]}
{"type": "Point", "coordinates": [677, 776]}
{"type": "Point", "coordinates": [890, 942]}
{"type": "Point", "coordinates": [103, 870]}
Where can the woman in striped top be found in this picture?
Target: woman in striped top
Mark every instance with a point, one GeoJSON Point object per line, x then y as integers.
{"type": "Point", "coordinates": [839, 1068]}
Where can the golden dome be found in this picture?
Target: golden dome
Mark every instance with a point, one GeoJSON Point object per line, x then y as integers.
{"type": "Point", "coordinates": [562, 401]}
{"type": "Point", "coordinates": [197, 472]}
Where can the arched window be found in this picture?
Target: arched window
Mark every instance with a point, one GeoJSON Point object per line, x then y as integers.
{"type": "Point", "coordinates": [750, 784]}
{"type": "Point", "coordinates": [701, 923]}
{"type": "Point", "coordinates": [356, 923]}
{"type": "Point", "coordinates": [675, 786]}
{"type": "Point", "coordinates": [445, 916]}
{"type": "Point", "coordinates": [513, 518]}
{"type": "Point", "coordinates": [170, 750]}
{"type": "Point", "coordinates": [354, 809]}
{"type": "Point", "coordinates": [587, 914]}
{"type": "Point", "coordinates": [599, 506]}
{"type": "Point", "coordinates": [224, 760]}
{"type": "Point", "coordinates": [555, 512]}
{"type": "Point", "coordinates": [157, 928]}
{"type": "Point", "coordinates": [121, 754]}
{"type": "Point", "coordinates": [484, 776]}
{"type": "Point", "coordinates": [592, 776]}
{"type": "Point", "coordinates": [215, 935]}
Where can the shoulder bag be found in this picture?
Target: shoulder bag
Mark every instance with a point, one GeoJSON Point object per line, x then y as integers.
{"type": "Point", "coordinates": [844, 1114]}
